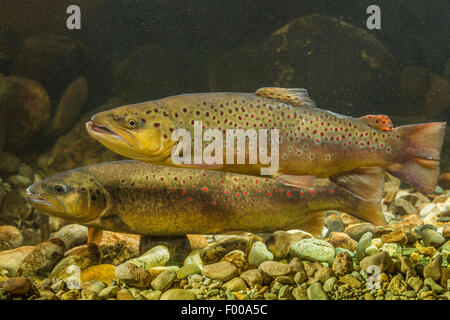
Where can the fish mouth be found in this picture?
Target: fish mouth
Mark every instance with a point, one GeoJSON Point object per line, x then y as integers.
{"type": "Point", "coordinates": [43, 204]}
{"type": "Point", "coordinates": [104, 132]}
{"type": "Point", "coordinates": [102, 129]}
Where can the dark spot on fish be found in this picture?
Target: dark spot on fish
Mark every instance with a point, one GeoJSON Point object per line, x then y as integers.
{"type": "Point", "coordinates": [148, 112]}
{"type": "Point", "coordinates": [156, 124]}
{"type": "Point", "coordinates": [93, 198]}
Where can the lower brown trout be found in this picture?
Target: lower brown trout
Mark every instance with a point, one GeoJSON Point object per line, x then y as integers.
{"type": "Point", "coordinates": [141, 198]}
{"type": "Point", "coordinates": [312, 142]}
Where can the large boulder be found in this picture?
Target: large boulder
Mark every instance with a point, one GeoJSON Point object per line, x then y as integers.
{"type": "Point", "coordinates": [146, 74]}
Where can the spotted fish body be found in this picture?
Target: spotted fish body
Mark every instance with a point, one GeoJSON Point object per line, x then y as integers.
{"type": "Point", "coordinates": [141, 198]}
{"type": "Point", "coordinates": [312, 141]}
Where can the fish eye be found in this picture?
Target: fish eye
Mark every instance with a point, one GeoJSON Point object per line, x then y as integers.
{"type": "Point", "coordinates": [132, 123]}
{"type": "Point", "coordinates": [59, 189]}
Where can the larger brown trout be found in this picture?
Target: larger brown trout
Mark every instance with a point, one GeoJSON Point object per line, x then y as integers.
{"type": "Point", "coordinates": [312, 142]}
{"type": "Point", "coordinates": [138, 197]}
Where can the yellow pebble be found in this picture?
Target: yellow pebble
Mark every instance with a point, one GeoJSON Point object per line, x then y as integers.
{"type": "Point", "coordinates": [239, 296]}
{"type": "Point", "coordinates": [414, 257]}
{"type": "Point", "coordinates": [101, 272]}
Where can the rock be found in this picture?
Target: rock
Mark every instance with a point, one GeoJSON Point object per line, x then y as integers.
{"type": "Point", "coordinates": [406, 265]}
{"type": "Point", "coordinates": [109, 292]}
{"type": "Point", "coordinates": [393, 249]}
{"type": "Point", "coordinates": [10, 260]}
{"type": "Point", "coordinates": [279, 243]}
{"type": "Point", "coordinates": [316, 292]}
{"type": "Point", "coordinates": [414, 84]}
{"type": "Point", "coordinates": [433, 269]}
{"type": "Point", "coordinates": [178, 246]}
{"type": "Point", "coordinates": [381, 260]}
{"type": "Point", "coordinates": [31, 114]}
{"type": "Point", "coordinates": [259, 253]}
{"type": "Point", "coordinates": [157, 256]}
{"type": "Point", "coordinates": [84, 256]}
{"type": "Point", "coordinates": [311, 268]}
{"type": "Point", "coordinates": [343, 240]}
{"type": "Point", "coordinates": [300, 294]}
{"type": "Point", "coordinates": [9, 163]}
{"type": "Point", "coordinates": [238, 258]}
{"type": "Point", "coordinates": [328, 286]}
{"type": "Point", "coordinates": [53, 60]}
{"type": "Point", "coordinates": [371, 250]}
{"type": "Point", "coordinates": [415, 282]}
{"type": "Point", "coordinates": [69, 107]}
{"type": "Point", "coordinates": [177, 294]}
{"type": "Point", "coordinates": [151, 295]}
{"type": "Point", "coordinates": [313, 250]}
{"type": "Point", "coordinates": [252, 277]}
{"type": "Point", "coordinates": [351, 281]}
{"type": "Point", "coordinates": [132, 275]}
{"type": "Point", "coordinates": [164, 280]}
{"type": "Point", "coordinates": [83, 149]}
{"type": "Point", "coordinates": [221, 271]}
{"type": "Point", "coordinates": [73, 235]}
{"type": "Point", "coordinates": [363, 243]}
{"type": "Point", "coordinates": [235, 284]}
{"type": "Point", "coordinates": [397, 236]}
{"type": "Point", "coordinates": [124, 294]}
{"type": "Point", "coordinates": [285, 293]}
{"type": "Point", "coordinates": [9, 102]}
{"type": "Point", "coordinates": [298, 53]}
{"type": "Point", "coordinates": [323, 274]}
{"type": "Point", "coordinates": [437, 99]}
{"type": "Point", "coordinates": [10, 238]}
{"type": "Point", "coordinates": [14, 208]}
{"type": "Point", "coordinates": [397, 286]}
{"type": "Point", "coordinates": [218, 250]}
{"type": "Point", "coordinates": [187, 270]}
{"type": "Point", "coordinates": [118, 248]}
{"type": "Point", "coordinates": [146, 74]}
{"type": "Point", "coordinates": [402, 207]}
{"type": "Point", "coordinates": [274, 268]}
{"type": "Point", "coordinates": [40, 261]}
{"type": "Point", "coordinates": [71, 295]}
{"type": "Point", "coordinates": [197, 241]}
{"type": "Point", "coordinates": [300, 277]}
{"type": "Point", "coordinates": [432, 238]}
{"type": "Point", "coordinates": [342, 264]}
{"type": "Point", "coordinates": [101, 272]}
{"type": "Point", "coordinates": [91, 289]}
{"type": "Point", "coordinates": [19, 285]}
{"type": "Point", "coordinates": [356, 231]}
{"type": "Point", "coordinates": [433, 285]}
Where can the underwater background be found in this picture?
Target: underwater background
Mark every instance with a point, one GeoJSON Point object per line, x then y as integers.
{"type": "Point", "coordinates": [52, 80]}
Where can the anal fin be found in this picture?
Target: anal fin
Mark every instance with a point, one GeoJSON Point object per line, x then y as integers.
{"type": "Point", "coordinates": [366, 184]}
{"type": "Point", "coordinates": [313, 224]}
{"type": "Point", "coordinates": [296, 181]}
{"type": "Point", "coordinates": [294, 96]}
{"type": "Point", "coordinates": [380, 122]}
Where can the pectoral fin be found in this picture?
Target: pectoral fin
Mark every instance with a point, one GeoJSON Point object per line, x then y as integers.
{"type": "Point", "coordinates": [95, 236]}
{"type": "Point", "coordinates": [296, 181]}
{"type": "Point", "coordinates": [293, 96]}
{"type": "Point", "coordinates": [380, 122]}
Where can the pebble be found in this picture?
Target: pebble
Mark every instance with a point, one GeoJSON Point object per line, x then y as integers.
{"type": "Point", "coordinates": [274, 268]}
{"type": "Point", "coordinates": [351, 281]}
{"type": "Point", "coordinates": [101, 272]}
{"type": "Point", "coordinates": [164, 280]}
{"type": "Point", "coordinates": [433, 285]}
{"type": "Point", "coordinates": [73, 235]}
{"type": "Point", "coordinates": [357, 230]}
{"type": "Point", "coordinates": [252, 277]}
{"type": "Point", "coordinates": [42, 259]}
{"type": "Point", "coordinates": [313, 250]}
{"type": "Point", "coordinates": [259, 253]}
{"type": "Point", "coordinates": [155, 257]}
{"type": "Point", "coordinates": [177, 294]}
{"type": "Point", "coordinates": [381, 260]}
{"type": "Point", "coordinates": [342, 264]}
{"type": "Point", "coordinates": [83, 256]}
{"type": "Point", "coordinates": [285, 293]}
{"type": "Point", "coordinates": [433, 269]}
{"type": "Point", "coordinates": [432, 238]}
{"type": "Point", "coordinates": [70, 295]}
{"type": "Point", "coordinates": [10, 260]}
{"type": "Point", "coordinates": [187, 270]}
{"type": "Point", "coordinates": [235, 284]}
{"type": "Point", "coordinates": [343, 240]}
{"type": "Point", "coordinates": [108, 292]}
{"type": "Point", "coordinates": [315, 292]}
{"type": "Point", "coordinates": [221, 271]}
{"type": "Point", "coordinates": [10, 238]}
{"type": "Point", "coordinates": [238, 258]}
{"type": "Point", "coordinates": [124, 294]}
{"type": "Point", "coordinates": [328, 286]}
{"type": "Point", "coordinates": [323, 274]}
{"type": "Point", "coordinates": [363, 243]}
{"type": "Point", "coordinates": [216, 251]}
{"type": "Point", "coordinates": [151, 295]}
{"type": "Point", "coordinates": [397, 236]}
{"type": "Point", "coordinates": [19, 285]}
{"type": "Point", "coordinates": [300, 294]}
{"type": "Point", "coordinates": [279, 243]}
{"type": "Point", "coordinates": [132, 275]}
{"type": "Point", "coordinates": [393, 249]}
{"type": "Point", "coordinates": [397, 285]}
{"type": "Point", "coordinates": [371, 250]}
{"type": "Point", "coordinates": [402, 207]}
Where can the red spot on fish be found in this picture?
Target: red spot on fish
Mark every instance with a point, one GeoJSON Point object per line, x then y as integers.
{"type": "Point", "coordinates": [269, 194]}
{"type": "Point", "coordinates": [302, 193]}
{"type": "Point", "coordinates": [332, 191]}
{"type": "Point", "coordinates": [205, 189]}
{"type": "Point", "coordinates": [313, 192]}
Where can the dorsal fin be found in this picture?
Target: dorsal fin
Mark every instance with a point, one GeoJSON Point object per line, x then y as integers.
{"type": "Point", "coordinates": [380, 122]}
{"type": "Point", "coordinates": [293, 96]}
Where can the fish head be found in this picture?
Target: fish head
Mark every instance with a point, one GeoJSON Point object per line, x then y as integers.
{"type": "Point", "coordinates": [72, 195]}
{"type": "Point", "coordinates": [141, 131]}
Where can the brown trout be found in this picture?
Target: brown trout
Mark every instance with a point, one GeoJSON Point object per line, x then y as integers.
{"type": "Point", "coordinates": [138, 197]}
{"type": "Point", "coordinates": [312, 142]}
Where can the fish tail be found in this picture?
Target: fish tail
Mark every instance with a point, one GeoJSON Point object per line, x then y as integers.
{"type": "Point", "coordinates": [423, 146]}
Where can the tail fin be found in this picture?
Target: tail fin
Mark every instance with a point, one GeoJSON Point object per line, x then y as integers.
{"type": "Point", "coordinates": [424, 145]}
{"type": "Point", "coordinates": [366, 188]}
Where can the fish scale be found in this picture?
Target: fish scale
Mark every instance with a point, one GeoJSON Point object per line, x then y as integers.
{"type": "Point", "coordinates": [312, 141]}
{"type": "Point", "coordinates": [142, 198]}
